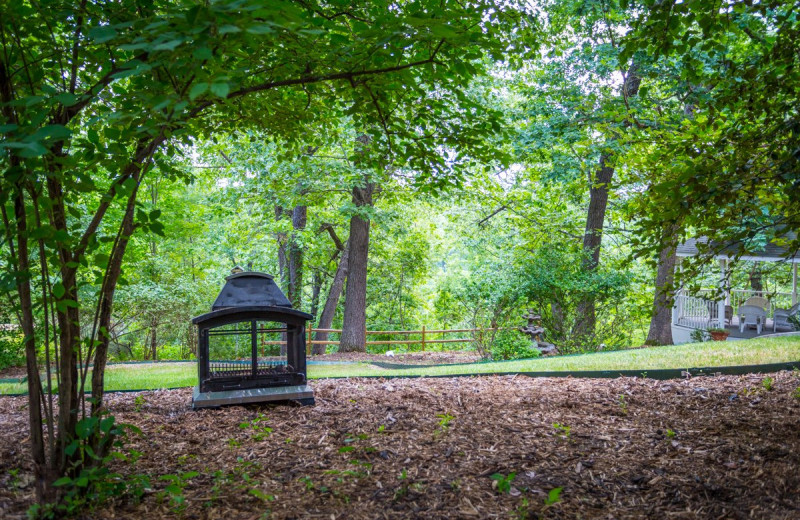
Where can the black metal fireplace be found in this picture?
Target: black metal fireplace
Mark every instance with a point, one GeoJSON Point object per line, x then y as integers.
{"type": "Point", "coordinates": [251, 346]}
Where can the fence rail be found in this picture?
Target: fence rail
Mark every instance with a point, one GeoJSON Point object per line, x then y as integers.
{"type": "Point", "coordinates": [423, 333]}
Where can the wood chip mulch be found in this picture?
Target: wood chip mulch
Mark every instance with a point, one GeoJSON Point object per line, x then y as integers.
{"type": "Point", "coordinates": [702, 448]}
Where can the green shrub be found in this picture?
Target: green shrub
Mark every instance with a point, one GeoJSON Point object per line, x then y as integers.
{"type": "Point", "coordinates": [699, 336]}
{"type": "Point", "coordinates": [512, 344]}
{"type": "Point", "coordinates": [11, 352]}
{"type": "Point", "coordinates": [91, 481]}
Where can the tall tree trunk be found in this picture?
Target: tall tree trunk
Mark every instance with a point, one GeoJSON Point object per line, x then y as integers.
{"type": "Point", "coordinates": [756, 278]}
{"type": "Point", "coordinates": [295, 257]}
{"type": "Point", "coordinates": [335, 292]}
{"type": "Point", "coordinates": [592, 239]}
{"type": "Point", "coordinates": [316, 289]}
{"type": "Point", "coordinates": [42, 472]}
{"type": "Point", "coordinates": [596, 214]}
{"type": "Point", "coordinates": [69, 333]}
{"type": "Point", "coordinates": [20, 259]}
{"type": "Point", "coordinates": [280, 238]}
{"type": "Point", "coordinates": [354, 325]}
{"type": "Point", "coordinates": [660, 332]}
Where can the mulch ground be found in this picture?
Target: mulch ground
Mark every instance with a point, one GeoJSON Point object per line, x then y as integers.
{"type": "Point", "coordinates": [721, 447]}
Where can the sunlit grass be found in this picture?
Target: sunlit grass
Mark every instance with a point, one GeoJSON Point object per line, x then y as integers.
{"type": "Point", "coordinates": [711, 354]}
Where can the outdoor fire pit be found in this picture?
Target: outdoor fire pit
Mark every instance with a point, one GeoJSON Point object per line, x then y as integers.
{"type": "Point", "coordinates": [251, 346]}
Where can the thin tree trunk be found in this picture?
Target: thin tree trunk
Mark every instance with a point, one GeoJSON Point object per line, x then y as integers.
{"type": "Point", "coordinates": [44, 474]}
{"type": "Point", "coordinates": [354, 325]}
{"type": "Point", "coordinates": [19, 257]}
{"type": "Point", "coordinates": [596, 214]}
{"type": "Point", "coordinates": [295, 257]}
{"type": "Point", "coordinates": [661, 321]}
{"type": "Point", "coordinates": [756, 278]}
{"type": "Point", "coordinates": [335, 292]}
{"type": "Point", "coordinates": [69, 337]}
{"type": "Point", "coordinates": [316, 288]}
{"type": "Point", "coordinates": [106, 303]}
{"type": "Point", "coordinates": [280, 238]}
{"type": "Point", "coordinates": [154, 340]}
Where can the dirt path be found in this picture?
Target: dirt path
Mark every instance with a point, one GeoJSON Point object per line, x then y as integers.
{"type": "Point", "coordinates": [721, 447]}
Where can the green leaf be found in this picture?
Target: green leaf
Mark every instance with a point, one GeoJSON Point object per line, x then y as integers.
{"type": "Point", "coordinates": [101, 260]}
{"type": "Point", "coordinates": [168, 46]}
{"type": "Point", "coordinates": [93, 136]}
{"type": "Point", "coordinates": [198, 89]}
{"type": "Point", "coordinates": [63, 481]}
{"type": "Point", "coordinates": [225, 29]}
{"type": "Point", "coordinates": [67, 99]}
{"type": "Point", "coordinates": [203, 53]}
{"type": "Point", "coordinates": [59, 290]}
{"type": "Point", "coordinates": [71, 448]}
{"type": "Point", "coordinates": [157, 228]}
{"type": "Point", "coordinates": [102, 34]}
{"type": "Point", "coordinates": [85, 427]}
{"type": "Point", "coordinates": [220, 89]}
{"type": "Point", "coordinates": [260, 28]}
{"type": "Point", "coordinates": [553, 496]}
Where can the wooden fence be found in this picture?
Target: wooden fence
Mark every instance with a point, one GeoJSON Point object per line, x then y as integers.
{"type": "Point", "coordinates": [424, 334]}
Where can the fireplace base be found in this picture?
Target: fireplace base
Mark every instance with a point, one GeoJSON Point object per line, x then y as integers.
{"type": "Point", "coordinates": [300, 393]}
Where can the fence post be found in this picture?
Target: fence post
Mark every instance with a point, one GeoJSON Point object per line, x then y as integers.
{"type": "Point", "coordinates": [423, 338]}
{"type": "Point", "coordinates": [308, 343]}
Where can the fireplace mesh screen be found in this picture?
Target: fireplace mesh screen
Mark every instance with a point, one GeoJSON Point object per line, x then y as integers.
{"type": "Point", "coordinates": [231, 350]}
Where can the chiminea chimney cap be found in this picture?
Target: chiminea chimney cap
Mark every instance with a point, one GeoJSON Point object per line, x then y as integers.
{"type": "Point", "coordinates": [250, 288]}
{"type": "Point", "coordinates": [243, 274]}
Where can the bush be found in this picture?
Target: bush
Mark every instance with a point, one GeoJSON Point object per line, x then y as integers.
{"type": "Point", "coordinates": [512, 344]}
{"type": "Point", "coordinates": [699, 336]}
{"type": "Point", "coordinates": [11, 352]}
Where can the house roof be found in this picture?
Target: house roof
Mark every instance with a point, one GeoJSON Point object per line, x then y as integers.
{"type": "Point", "coordinates": [771, 252]}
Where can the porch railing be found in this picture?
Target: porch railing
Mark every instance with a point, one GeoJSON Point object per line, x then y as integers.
{"type": "Point", "coordinates": [692, 311]}
{"type": "Point", "coordinates": [699, 311]}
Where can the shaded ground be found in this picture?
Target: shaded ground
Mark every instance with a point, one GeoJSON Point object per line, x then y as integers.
{"type": "Point", "coordinates": [723, 447]}
{"type": "Point", "coordinates": [13, 372]}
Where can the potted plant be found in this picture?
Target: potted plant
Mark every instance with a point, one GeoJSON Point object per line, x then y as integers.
{"type": "Point", "coordinates": [718, 334]}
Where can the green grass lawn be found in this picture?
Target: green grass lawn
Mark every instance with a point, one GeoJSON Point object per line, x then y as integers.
{"type": "Point", "coordinates": [711, 354]}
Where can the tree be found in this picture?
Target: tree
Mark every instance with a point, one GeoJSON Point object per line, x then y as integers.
{"type": "Point", "coordinates": [731, 172]}
{"type": "Point", "coordinates": [578, 119]}
{"type": "Point", "coordinates": [94, 94]}
{"type": "Point", "coordinates": [354, 326]}
{"type": "Point", "coordinates": [660, 331]}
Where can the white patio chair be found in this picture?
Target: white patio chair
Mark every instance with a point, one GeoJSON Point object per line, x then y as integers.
{"type": "Point", "coordinates": [781, 317]}
{"type": "Point", "coordinates": [751, 315]}
{"type": "Point", "coordinates": [758, 301]}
